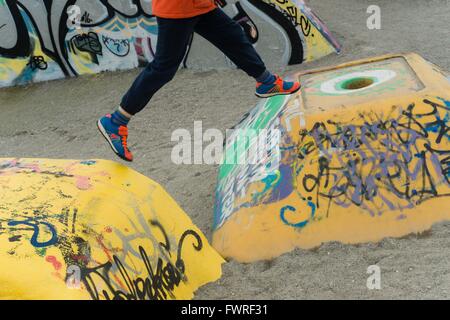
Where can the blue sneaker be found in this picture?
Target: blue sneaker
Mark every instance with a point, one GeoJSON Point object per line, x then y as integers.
{"type": "Point", "coordinates": [116, 135]}
{"type": "Point", "coordinates": [278, 87]}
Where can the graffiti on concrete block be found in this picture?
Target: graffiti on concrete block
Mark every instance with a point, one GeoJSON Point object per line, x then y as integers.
{"type": "Point", "coordinates": [67, 236]}
{"type": "Point", "coordinates": [378, 162]}
{"type": "Point", "coordinates": [363, 153]}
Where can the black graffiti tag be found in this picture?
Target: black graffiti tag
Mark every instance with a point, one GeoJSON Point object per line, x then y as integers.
{"type": "Point", "coordinates": [89, 43]}
{"type": "Point", "coordinates": [367, 165]}
{"type": "Point", "coordinates": [158, 284]}
{"type": "Point", "coordinates": [37, 62]}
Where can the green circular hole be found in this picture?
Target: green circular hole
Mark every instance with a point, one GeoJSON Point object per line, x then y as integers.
{"type": "Point", "coordinates": [357, 83]}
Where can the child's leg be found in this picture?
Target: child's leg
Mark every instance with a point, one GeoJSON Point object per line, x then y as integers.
{"type": "Point", "coordinates": [228, 36]}
{"type": "Point", "coordinates": [173, 38]}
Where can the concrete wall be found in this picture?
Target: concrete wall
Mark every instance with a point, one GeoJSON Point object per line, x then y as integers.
{"type": "Point", "coordinates": [44, 40]}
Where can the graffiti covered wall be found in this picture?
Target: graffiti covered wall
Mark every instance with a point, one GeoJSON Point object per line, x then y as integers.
{"type": "Point", "coordinates": [45, 40]}
{"type": "Point", "coordinates": [362, 153]}
{"type": "Point", "coordinates": [95, 230]}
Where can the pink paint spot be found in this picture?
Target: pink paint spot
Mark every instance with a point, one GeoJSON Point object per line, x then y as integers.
{"type": "Point", "coordinates": [83, 183]}
{"type": "Point", "coordinates": [56, 264]}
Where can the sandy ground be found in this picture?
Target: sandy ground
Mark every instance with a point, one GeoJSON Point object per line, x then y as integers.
{"type": "Point", "coordinates": [57, 120]}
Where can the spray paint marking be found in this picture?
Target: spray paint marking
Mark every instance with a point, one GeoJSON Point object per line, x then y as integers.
{"type": "Point", "coordinates": [34, 238]}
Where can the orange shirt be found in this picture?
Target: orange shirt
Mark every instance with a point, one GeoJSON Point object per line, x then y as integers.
{"type": "Point", "coordinates": [178, 9]}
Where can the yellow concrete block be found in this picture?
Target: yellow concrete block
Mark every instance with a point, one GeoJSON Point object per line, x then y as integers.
{"type": "Point", "coordinates": [95, 230]}
{"type": "Point", "coordinates": [362, 153]}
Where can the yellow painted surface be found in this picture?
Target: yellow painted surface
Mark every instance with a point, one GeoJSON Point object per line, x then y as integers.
{"type": "Point", "coordinates": [95, 230]}
{"type": "Point", "coordinates": [355, 165]}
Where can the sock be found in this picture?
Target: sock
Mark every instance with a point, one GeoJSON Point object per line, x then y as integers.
{"type": "Point", "coordinates": [119, 118]}
{"type": "Point", "coordinates": [267, 78]}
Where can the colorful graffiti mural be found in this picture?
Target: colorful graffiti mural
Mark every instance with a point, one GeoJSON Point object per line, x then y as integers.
{"type": "Point", "coordinates": [363, 153]}
{"type": "Point", "coordinates": [45, 40]}
{"type": "Point", "coordinates": [95, 230]}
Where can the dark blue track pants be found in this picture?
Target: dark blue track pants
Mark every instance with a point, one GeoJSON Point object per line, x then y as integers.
{"type": "Point", "coordinates": [173, 39]}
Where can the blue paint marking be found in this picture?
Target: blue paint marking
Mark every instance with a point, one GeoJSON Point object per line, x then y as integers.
{"type": "Point", "coordinates": [446, 102]}
{"type": "Point", "coordinates": [271, 180]}
{"type": "Point", "coordinates": [438, 125]}
{"type": "Point", "coordinates": [34, 238]}
{"type": "Point", "coordinates": [313, 208]}
{"type": "Point", "coordinates": [88, 162]}
{"type": "Point", "coordinates": [301, 224]}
